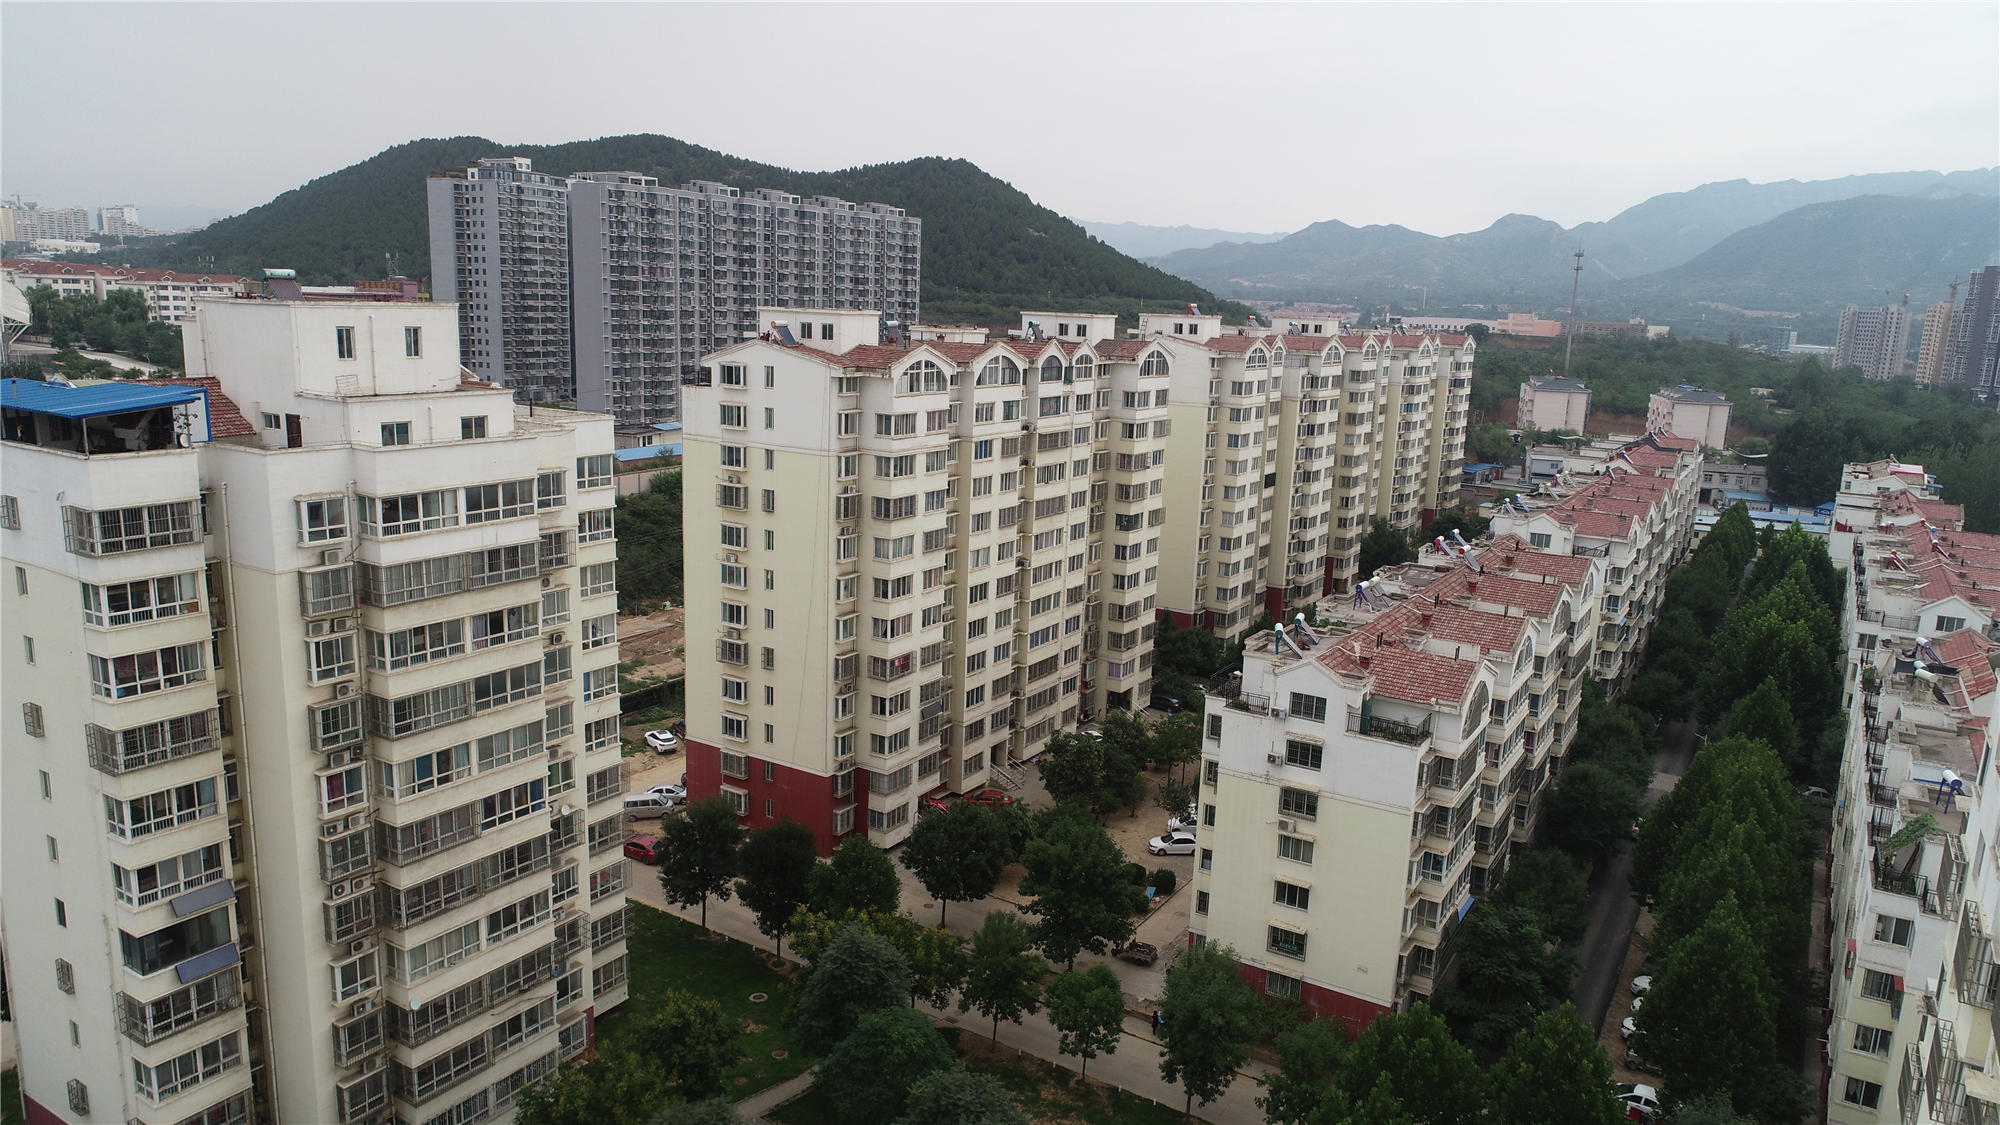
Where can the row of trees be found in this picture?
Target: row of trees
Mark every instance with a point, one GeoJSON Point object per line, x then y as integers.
{"type": "Point", "coordinates": [118, 323]}
{"type": "Point", "coordinates": [1725, 856]}
{"type": "Point", "coordinates": [650, 550]}
{"type": "Point", "coordinates": [670, 1074]}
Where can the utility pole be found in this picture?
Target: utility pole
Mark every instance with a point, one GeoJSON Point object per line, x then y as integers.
{"type": "Point", "coordinates": [1575, 281]}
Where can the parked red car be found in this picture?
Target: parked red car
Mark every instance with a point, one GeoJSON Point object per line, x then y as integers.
{"type": "Point", "coordinates": [645, 849]}
{"type": "Point", "coordinates": [989, 797]}
{"type": "Point", "coordinates": [933, 804]}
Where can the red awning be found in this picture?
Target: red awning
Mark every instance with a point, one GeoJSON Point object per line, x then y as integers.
{"type": "Point", "coordinates": [1899, 984]}
{"type": "Point", "coordinates": [1850, 945]}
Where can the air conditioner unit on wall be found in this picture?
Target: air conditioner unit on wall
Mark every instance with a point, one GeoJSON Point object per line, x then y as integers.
{"type": "Point", "coordinates": [1285, 825]}
{"type": "Point", "coordinates": [362, 1007]}
{"type": "Point", "coordinates": [558, 638]}
{"type": "Point", "coordinates": [1271, 758]}
{"type": "Point", "coordinates": [343, 691]}
{"type": "Point", "coordinates": [330, 557]}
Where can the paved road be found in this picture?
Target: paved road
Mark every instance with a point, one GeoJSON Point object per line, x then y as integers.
{"type": "Point", "coordinates": [1613, 912]}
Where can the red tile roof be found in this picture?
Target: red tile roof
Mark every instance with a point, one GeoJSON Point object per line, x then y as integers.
{"type": "Point", "coordinates": [34, 268]}
{"type": "Point", "coordinates": [1598, 524]}
{"type": "Point", "coordinates": [1238, 344]}
{"type": "Point", "coordinates": [1121, 349]}
{"type": "Point", "coordinates": [1418, 677]}
{"type": "Point", "coordinates": [1492, 632]}
{"type": "Point", "coordinates": [1967, 651]}
{"type": "Point", "coordinates": [869, 357]}
{"type": "Point", "coordinates": [225, 418]}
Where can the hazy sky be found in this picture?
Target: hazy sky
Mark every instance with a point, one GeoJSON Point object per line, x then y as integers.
{"type": "Point", "coordinates": [1441, 117]}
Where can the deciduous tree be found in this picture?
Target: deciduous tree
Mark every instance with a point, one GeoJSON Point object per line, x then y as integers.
{"type": "Point", "coordinates": [1082, 897]}
{"type": "Point", "coordinates": [1710, 1019]}
{"type": "Point", "coordinates": [691, 1042]}
{"type": "Point", "coordinates": [1211, 1019]}
{"type": "Point", "coordinates": [698, 853]}
{"type": "Point", "coordinates": [776, 864]}
{"type": "Point", "coordinates": [1554, 1073]}
{"type": "Point", "coordinates": [859, 877]}
{"type": "Point", "coordinates": [957, 853]}
{"type": "Point", "coordinates": [1589, 810]}
{"type": "Point", "coordinates": [1550, 884]}
{"type": "Point", "coordinates": [856, 973]}
{"type": "Point", "coordinates": [1510, 971]}
{"type": "Point", "coordinates": [870, 1072]}
{"type": "Point", "coordinates": [1429, 1072]}
{"type": "Point", "coordinates": [960, 1097]}
{"type": "Point", "coordinates": [1308, 1056]}
{"type": "Point", "coordinates": [1087, 1009]}
{"type": "Point", "coordinates": [1003, 977]}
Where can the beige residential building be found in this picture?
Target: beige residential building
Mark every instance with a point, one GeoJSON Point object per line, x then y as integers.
{"type": "Point", "coordinates": [1300, 440]}
{"type": "Point", "coordinates": [1689, 412]}
{"type": "Point", "coordinates": [170, 295]}
{"type": "Point", "coordinates": [1638, 515]}
{"type": "Point", "coordinates": [342, 801]}
{"type": "Point", "coordinates": [1873, 339]}
{"type": "Point", "coordinates": [1553, 402]}
{"type": "Point", "coordinates": [1931, 345]}
{"type": "Point", "coordinates": [923, 559]}
{"type": "Point", "coordinates": [1364, 779]}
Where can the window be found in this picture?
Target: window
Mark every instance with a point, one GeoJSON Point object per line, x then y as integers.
{"type": "Point", "coordinates": [1305, 755]}
{"type": "Point", "coordinates": [1282, 986]}
{"type": "Point", "coordinates": [10, 513]}
{"type": "Point", "coordinates": [597, 578]}
{"type": "Point", "coordinates": [119, 530]}
{"type": "Point", "coordinates": [1311, 708]}
{"type": "Point", "coordinates": [1292, 895]}
{"type": "Point", "coordinates": [594, 526]}
{"type": "Point", "coordinates": [1868, 1095]}
{"type": "Point", "coordinates": [120, 677]}
{"type": "Point", "coordinates": [1872, 1040]}
{"type": "Point", "coordinates": [343, 342]}
{"type": "Point", "coordinates": [732, 415]}
{"type": "Point", "coordinates": [1291, 943]}
{"type": "Point", "coordinates": [1894, 930]}
{"type": "Point", "coordinates": [323, 520]}
{"type": "Point", "coordinates": [387, 516]}
{"type": "Point", "coordinates": [1949, 624]}
{"type": "Point", "coordinates": [594, 472]}
{"type": "Point", "coordinates": [330, 658]}
{"type": "Point", "coordinates": [1539, 540]}
{"type": "Point", "coordinates": [413, 341]}
{"type": "Point", "coordinates": [549, 489]}
{"type": "Point", "coordinates": [395, 433]}
{"type": "Point", "coordinates": [485, 503]}
{"type": "Point", "coordinates": [472, 427]}
{"type": "Point", "coordinates": [1298, 803]}
{"type": "Point", "coordinates": [1878, 986]}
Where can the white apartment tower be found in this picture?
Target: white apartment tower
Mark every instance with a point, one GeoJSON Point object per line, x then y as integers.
{"type": "Point", "coordinates": [1364, 779]}
{"type": "Point", "coordinates": [645, 279]}
{"type": "Point", "coordinates": [1286, 448]}
{"type": "Point", "coordinates": [1875, 340]}
{"type": "Point", "coordinates": [500, 248]}
{"type": "Point", "coordinates": [922, 561]}
{"type": "Point", "coordinates": [1915, 892]}
{"type": "Point", "coordinates": [1931, 345]}
{"type": "Point", "coordinates": [336, 825]}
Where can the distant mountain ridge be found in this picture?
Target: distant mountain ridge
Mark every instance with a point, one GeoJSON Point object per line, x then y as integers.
{"type": "Point", "coordinates": [1142, 241]}
{"type": "Point", "coordinates": [988, 251]}
{"type": "Point", "coordinates": [1522, 257]}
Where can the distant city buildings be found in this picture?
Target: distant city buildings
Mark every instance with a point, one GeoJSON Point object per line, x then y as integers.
{"type": "Point", "coordinates": [1931, 346]}
{"type": "Point", "coordinates": [1553, 402]}
{"type": "Point", "coordinates": [1873, 339]}
{"type": "Point", "coordinates": [29, 223]}
{"type": "Point", "coordinates": [606, 288]}
{"type": "Point", "coordinates": [170, 295]}
{"type": "Point", "coordinates": [1972, 346]}
{"type": "Point", "coordinates": [1690, 412]}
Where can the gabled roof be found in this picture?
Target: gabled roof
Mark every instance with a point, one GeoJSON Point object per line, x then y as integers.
{"type": "Point", "coordinates": [225, 418]}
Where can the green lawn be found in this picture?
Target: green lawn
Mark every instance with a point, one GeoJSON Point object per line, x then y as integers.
{"type": "Point", "coordinates": [1045, 1092]}
{"type": "Point", "coordinates": [10, 1099]}
{"type": "Point", "coordinates": [665, 953]}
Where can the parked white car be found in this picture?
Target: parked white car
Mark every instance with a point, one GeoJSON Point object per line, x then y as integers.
{"type": "Point", "coordinates": [1185, 822]}
{"type": "Point", "coordinates": [662, 741]}
{"type": "Point", "coordinates": [671, 794]}
{"type": "Point", "coordinates": [1641, 1102]}
{"type": "Point", "coordinates": [1173, 843]}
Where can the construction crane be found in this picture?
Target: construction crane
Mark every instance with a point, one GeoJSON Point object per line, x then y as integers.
{"type": "Point", "coordinates": [1905, 291]}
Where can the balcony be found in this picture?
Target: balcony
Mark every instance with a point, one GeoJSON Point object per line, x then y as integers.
{"type": "Point", "coordinates": [1394, 730]}
{"type": "Point", "coordinates": [1907, 883]}
{"type": "Point", "coordinates": [1229, 688]}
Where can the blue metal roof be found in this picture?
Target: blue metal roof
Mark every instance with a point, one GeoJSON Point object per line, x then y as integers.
{"type": "Point", "coordinates": [646, 452]}
{"type": "Point", "coordinates": [1734, 494]}
{"type": "Point", "coordinates": [93, 401]}
{"type": "Point", "coordinates": [1481, 467]}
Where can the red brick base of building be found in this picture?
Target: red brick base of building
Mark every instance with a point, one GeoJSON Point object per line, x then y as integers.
{"type": "Point", "coordinates": [774, 791]}
{"type": "Point", "coordinates": [1354, 1013]}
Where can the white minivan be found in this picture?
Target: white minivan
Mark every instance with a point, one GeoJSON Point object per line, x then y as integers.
{"type": "Point", "coordinates": [639, 805]}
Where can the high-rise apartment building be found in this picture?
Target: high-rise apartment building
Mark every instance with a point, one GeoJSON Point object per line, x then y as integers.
{"type": "Point", "coordinates": [1915, 874]}
{"type": "Point", "coordinates": [919, 561]}
{"type": "Point", "coordinates": [649, 277]}
{"type": "Point", "coordinates": [1931, 345]}
{"type": "Point", "coordinates": [1972, 346]}
{"type": "Point", "coordinates": [662, 276]}
{"type": "Point", "coordinates": [1875, 340]}
{"type": "Point", "coordinates": [30, 222]}
{"type": "Point", "coordinates": [500, 248]}
{"type": "Point", "coordinates": [1553, 402]}
{"type": "Point", "coordinates": [1364, 779]}
{"type": "Point", "coordinates": [317, 729]}
{"type": "Point", "coordinates": [1300, 440]}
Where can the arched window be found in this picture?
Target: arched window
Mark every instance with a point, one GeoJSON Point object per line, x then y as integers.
{"type": "Point", "coordinates": [1475, 714]}
{"type": "Point", "coordinates": [998, 371]}
{"type": "Point", "coordinates": [1256, 358]}
{"type": "Point", "coordinates": [924, 375]}
{"type": "Point", "coordinates": [1085, 367]}
{"type": "Point", "coordinates": [1155, 363]}
{"type": "Point", "coordinates": [1052, 369]}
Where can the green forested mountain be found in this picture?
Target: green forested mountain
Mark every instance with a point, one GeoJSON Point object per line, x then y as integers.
{"type": "Point", "coordinates": [989, 250]}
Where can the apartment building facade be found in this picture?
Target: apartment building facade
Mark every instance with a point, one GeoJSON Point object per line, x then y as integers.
{"type": "Point", "coordinates": [26, 222]}
{"type": "Point", "coordinates": [1873, 339]}
{"type": "Point", "coordinates": [1287, 447]}
{"type": "Point", "coordinates": [1972, 344]}
{"type": "Point", "coordinates": [1553, 402]}
{"type": "Point", "coordinates": [1915, 982]}
{"type": "Point", "coordinates": [647, 278]}
{"type": "Point", "coordinates": [1638, 515]}
{"type": "Point", "coordinates": [924, 560]}
{"type": "Point", "coordinates": [398, 589]}
{"type": "Point", "coordinates": [1690, 412]}
{"type": "Point", "coordinates": [170, 295]}
{"type": "Point", "coordinates": [1931, 345]}
{"type": "Point", "coordinates": [1365, 777]}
